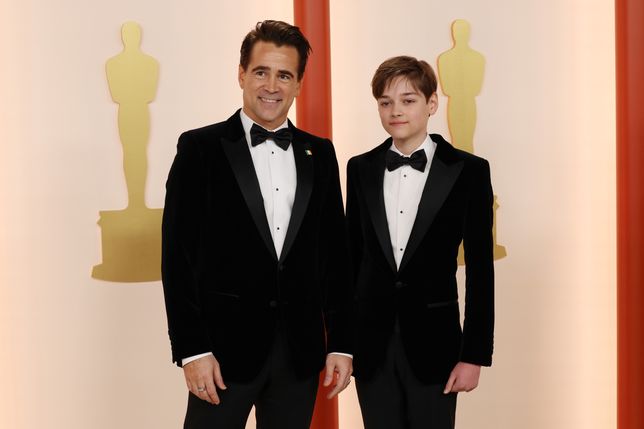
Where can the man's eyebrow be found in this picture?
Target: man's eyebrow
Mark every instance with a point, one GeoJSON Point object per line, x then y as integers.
{"type": "Point", "coordinates": [266, 68]}
{"type": "Point", "coordinates": [288, 72]}
{"type": "Point", "coordinates": [260, 68]}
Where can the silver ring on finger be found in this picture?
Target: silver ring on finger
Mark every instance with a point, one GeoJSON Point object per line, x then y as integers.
{"type": "Point", "coordinates": [201, 389]}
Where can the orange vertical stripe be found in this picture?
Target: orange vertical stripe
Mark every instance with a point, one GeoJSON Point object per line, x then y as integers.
{"type": "Point", "coordinates": [314, 116]}
{"type": "Point", "coordinates": [629, 33]}
{"type": "Point", "coordinates": [314, 102]}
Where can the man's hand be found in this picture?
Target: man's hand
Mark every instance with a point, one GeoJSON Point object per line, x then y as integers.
{"type": "Point", "coordinates": [203, 376]}
{"type": "Point", "coordinates": [464, 378]}
{"type": "Point", "coordinates": [338, 372]}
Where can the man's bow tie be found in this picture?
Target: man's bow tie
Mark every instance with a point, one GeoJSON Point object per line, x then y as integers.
{"type": "Point", "coordinates": [417, 160]}
{"type": "Point", "coordinates": [281, 137]}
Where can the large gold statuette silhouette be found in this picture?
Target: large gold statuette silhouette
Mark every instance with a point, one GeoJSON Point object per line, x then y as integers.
{"type": "Point", "coordinates": [461, 70]}
{"type": "Point", "coordinates": [131, 238]}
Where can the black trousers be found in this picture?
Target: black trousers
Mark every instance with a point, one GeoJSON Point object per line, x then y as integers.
{"type": "Point", "coordinates": [281, 400]}
{"type": "Point", "coordinates": [395, 399]}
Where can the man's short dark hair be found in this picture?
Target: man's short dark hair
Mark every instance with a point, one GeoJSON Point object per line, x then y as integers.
{"type": "Point", "coordinates": [420, 75]}
{"type": "Point", "coordinates": [281, 34]}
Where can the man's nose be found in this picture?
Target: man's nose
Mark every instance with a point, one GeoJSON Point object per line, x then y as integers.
{"type": "Point", "coordinates": [271, 84]}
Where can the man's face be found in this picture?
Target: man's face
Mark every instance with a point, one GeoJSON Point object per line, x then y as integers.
{"type": "Point", "coordinates": [404, 112]}
{"type": "Point", "coordinates": [269, 83]}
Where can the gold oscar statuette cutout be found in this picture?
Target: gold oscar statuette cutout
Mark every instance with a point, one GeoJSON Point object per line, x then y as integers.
{"type": "Point", "coordinates": [460, 71]}
{"type": "Point", "coordinates": [131, 238]}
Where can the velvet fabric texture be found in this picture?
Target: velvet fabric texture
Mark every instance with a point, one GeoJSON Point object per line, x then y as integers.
{"type": "Point", "coordinates": [226, 290]}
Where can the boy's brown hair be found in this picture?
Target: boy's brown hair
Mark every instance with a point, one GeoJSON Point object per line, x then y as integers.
{"type": "Point", "coordinates": [419, 74]}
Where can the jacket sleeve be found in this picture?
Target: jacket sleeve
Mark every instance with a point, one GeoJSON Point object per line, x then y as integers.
{"type": "Point", "coordinates": [478, 325]}
{"type": "Point", "coordinates": [337, 283]}
{"type": "Point", "coordinates": [353, 218]}
{"type": "Point", "coordinates": [181, 235]}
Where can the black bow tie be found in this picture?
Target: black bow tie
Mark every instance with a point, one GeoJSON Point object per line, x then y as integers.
{"type": "Point", "coordinates": [417, 160]}
{"type": "Point", "coordinates": [281, 137]}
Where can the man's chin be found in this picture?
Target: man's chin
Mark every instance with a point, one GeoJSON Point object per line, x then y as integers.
{"type": "Point", "coordinates": [270, 122]}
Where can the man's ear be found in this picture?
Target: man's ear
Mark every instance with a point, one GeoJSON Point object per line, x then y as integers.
{"type": "Point", "coordinates": [241, 75]}
{"type": "Point", "coordinates": [299, 86]}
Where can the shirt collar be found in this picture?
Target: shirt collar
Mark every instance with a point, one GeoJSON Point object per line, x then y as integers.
{"type": "Point", "coordinates": [247, 123]}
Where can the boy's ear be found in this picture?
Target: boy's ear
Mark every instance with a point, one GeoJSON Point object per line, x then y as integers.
{"type": "Point", "coordinates": [433, 103]}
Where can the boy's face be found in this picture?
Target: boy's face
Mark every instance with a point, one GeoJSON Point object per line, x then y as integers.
{"type": "Point", "coordinates": [404, 113]}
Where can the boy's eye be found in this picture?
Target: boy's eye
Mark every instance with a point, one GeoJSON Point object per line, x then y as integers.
{"type": "Point", "coordinates": [409, 100]}
{"type": "Point", "coordinates": [285, 77]}
{"type": "Point", "coordinates": [260, 73]}
{"type": "Point", "coordinates": [384, 103]}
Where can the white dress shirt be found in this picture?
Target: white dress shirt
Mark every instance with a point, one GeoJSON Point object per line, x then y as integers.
{"type": "Point", "coordinates": [277, 176]}
{"type": "Point", "coordinates": [402, 189]}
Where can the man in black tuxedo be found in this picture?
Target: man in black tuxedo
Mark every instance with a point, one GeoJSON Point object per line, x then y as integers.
{"type": "Point", "coordinates": [255, 256]}
{"type": "Point", "coordinates": [410, 202]}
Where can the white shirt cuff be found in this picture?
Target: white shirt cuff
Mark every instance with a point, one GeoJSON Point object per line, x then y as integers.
{"type": "Point", "coordinates": [187, 360]}
{"type": "Point", "coordinates": [342, 354]}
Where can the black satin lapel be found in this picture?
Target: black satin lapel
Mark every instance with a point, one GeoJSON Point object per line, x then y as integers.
{"type": "Point", "coordinates": [372, 175]}
{"type": "Point", "coordinates": [440, 180]}
{"type": "Point", "coordinates": [242, 165]}
{"type": "Point", "coordinates": [304, 170]}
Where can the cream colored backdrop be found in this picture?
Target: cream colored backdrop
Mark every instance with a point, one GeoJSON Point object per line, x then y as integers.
{"type": "Point", "coordinates": [77, 353]}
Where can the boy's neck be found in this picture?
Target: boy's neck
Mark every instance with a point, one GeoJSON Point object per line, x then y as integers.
{"type": "Point", "coordinates": [407, 147]}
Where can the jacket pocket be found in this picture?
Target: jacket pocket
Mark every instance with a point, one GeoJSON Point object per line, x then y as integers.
{"type": "Point", "coordinates": [432, 305]}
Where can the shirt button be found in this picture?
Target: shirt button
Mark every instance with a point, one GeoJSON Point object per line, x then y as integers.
{"type": "Point", "coordinates": [401, 211]}
{"type": "Point", "coordinates": [278, 228]}
{"type": "Point", "coordinates": [401, 249]}
{"type": "Point", "coordinates": [277, 189]}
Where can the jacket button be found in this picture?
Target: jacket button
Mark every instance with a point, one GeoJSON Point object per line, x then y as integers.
{"type": "Point", "coordinates": [272, 304]}
{"type": "Point", "coordinates": [280, 267]}
{"type": "Point", "coordinates": [399, 285]}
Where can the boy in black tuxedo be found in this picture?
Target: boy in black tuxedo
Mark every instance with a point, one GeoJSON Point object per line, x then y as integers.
{"type": "Point", "coordinates": [410, 203]}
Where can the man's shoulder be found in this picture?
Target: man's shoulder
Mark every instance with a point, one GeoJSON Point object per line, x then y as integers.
{"type": "Point", "coordinates": [212, 130]}
{"type": "Point", "coordinates": [199, 140]}
{"type": "Point", "coordinates": [305, 137]}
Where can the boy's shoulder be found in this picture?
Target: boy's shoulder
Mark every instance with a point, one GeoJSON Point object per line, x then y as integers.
{"type": "Point", "coordinates": [447, 152]}
{"type": "Point", "coordinates": [444, 150]}
{"type": "Point", "coordinates": [384, 146]}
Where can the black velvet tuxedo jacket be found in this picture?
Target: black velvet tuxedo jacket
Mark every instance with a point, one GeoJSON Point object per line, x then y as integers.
{"type": "Point", "coordinates": [226, 290]}
{"type": "Point", "coordinates": [456, 204]}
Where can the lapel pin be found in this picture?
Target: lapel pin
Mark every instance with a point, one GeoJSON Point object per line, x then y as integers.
{"type": "Point", "coordinates": [308, 152]}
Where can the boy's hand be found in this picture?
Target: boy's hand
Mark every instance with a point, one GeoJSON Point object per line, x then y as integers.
{"type": "Point", "coordinates": [464, 378]}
